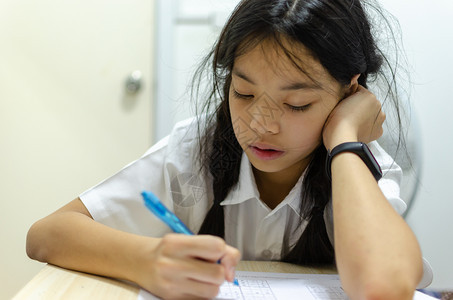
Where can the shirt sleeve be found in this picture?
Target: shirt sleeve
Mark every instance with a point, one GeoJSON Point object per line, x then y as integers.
{"type": "Point", "coordinates": [117, 201]}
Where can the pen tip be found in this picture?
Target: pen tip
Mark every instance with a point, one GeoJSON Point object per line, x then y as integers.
{"type": "Point", "coordinates": [236, 282]}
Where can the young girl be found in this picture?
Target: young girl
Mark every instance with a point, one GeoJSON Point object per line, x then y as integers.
{"type": "Point", "coordinates": [266, 171]}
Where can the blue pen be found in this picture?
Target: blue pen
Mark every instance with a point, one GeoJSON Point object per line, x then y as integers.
{"type": "Point", "coordinates": [166, 216]}
{"type": "Point", "coordinates": [169, 218]}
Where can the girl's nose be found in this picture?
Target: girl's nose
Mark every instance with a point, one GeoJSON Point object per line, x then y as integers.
{"type": "Point", "coordinates": [264, 128]}
{"type": "Point", "coordinates": [257, 126]}
{"type": "Point", "coordinates": [265, 115]}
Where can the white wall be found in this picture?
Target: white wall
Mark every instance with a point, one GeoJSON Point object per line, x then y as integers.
{"type": "Point", "coordinates": [426, 27]}
{"type": "Point", "coordinates": [66, 120]}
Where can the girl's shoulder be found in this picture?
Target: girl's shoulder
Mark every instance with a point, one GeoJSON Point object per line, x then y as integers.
{"type": "Point", "coordinates": [185, 134]}
{"type": "Point", "coordinates": [180, 150]}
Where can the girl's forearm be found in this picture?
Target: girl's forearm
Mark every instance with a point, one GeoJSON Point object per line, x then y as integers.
{"type": "Point", "coordinates": [377, 254]}
{"type": "Point", "coordinates": [73, 240]}
{"type": "Point", "coordinates": [173, 266]}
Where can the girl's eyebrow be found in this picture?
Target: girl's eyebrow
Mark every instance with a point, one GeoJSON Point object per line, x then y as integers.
{"type": "Point", "coordinates": [243, 76]}
{"type": "Point", "coordinates": [291, 86]}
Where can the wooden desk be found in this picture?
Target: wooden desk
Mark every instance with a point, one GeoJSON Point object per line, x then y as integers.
{"type": "Point", "coordinates": [53, 282]}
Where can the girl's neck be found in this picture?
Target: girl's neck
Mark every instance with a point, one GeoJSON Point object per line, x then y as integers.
{"type": "Point", "coordinates": [274, 187]}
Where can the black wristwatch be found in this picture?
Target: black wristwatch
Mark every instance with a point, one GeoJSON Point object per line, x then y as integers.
{"type": "Point", "coordinates": [362, 150]}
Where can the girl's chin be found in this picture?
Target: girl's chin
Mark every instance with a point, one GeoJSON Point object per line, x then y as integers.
{"type": "Point", "coordinates": [266, 166]}
{"type": "Point", "coordinates": [279, 164]}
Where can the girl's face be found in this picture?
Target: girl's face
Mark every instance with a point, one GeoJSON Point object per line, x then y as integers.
{"type": "Point", "coordinates": [277, 111]}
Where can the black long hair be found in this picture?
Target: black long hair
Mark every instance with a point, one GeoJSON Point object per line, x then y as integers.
{"type": "Point", "coordinates": [339, 35]}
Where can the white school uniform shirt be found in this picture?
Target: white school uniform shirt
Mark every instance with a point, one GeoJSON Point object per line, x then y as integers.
{"type": "Point", "coordinates": [170, 170]}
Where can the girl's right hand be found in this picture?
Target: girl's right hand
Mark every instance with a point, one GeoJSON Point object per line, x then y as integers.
{"type": "Point", "coordinates": [358, 117]}
{"type": "Point", "coordinates": [183, 266]}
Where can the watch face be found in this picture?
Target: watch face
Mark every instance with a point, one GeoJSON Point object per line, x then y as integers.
{"type": "Point", "coordinates": [369, 159]}
{"type": "Point", "coordinates": [376, 169]}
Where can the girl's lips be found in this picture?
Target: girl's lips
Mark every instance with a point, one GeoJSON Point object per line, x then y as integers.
{"type": "Point", "coordinates": [266, 152]}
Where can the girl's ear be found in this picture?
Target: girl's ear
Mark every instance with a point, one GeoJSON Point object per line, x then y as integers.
{"type": "Point", "coordinates": [353, 85]}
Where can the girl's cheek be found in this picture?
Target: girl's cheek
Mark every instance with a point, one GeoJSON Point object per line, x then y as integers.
{"type": "Point", "coordinates": [237, 110]}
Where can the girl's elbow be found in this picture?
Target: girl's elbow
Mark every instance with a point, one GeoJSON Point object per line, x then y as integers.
{"type": "Point", "coordinates": [387, 290]}
{"type": "Point", "coordinates": [34, 244]}
{"type": "Point", "coordinates": [394, 294]}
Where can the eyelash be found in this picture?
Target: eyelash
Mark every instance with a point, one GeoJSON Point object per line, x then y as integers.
{"type": "Point", "coordinates": [242, 96]}
{"type": "Point", "coordinates": [299, 108]}
{"type": "Point", "coordinates": [291, 107]}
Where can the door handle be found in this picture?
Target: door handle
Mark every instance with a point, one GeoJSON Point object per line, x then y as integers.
{"type": "Point", "coordinates": [134, 82]}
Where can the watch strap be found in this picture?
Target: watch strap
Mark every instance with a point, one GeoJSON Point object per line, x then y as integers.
{"type": "Point", "coordinates": [360, 149]}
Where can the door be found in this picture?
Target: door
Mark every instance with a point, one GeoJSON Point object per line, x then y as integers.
{"type": "Point", "coordinates": [186, 31]}
{"type": "Point", "coordinates": [66, 119]}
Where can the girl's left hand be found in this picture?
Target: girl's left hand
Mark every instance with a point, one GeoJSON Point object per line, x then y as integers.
{"type": "Point", "coordinates": [358, 117]}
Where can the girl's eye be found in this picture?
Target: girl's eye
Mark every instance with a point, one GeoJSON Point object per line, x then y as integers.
{"type": "Point", "coordinates": [299, 108]}
{"type": "Point", "coordinates": [242, 96]}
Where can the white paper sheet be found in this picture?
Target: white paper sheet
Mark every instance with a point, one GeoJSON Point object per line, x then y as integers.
{"type": "Point", "coordinates": [285, 286]}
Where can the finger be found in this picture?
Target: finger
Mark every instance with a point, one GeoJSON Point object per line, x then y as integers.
{"type": "Point", "coordinates": [196, 289]}
{"type": "Point", "coordinates": [382, 117]}
{"type": "Point", "coordinates": [211, 271]}
{"type": "Point", "coordinates": [361, 89]}
{"type": "Point", "coordinates": [230, 261]}
{"type": "Point", "coordinates": [178, 287]}
{"type": "Point", "coordinates": [208, 272]}
{"type": "Point", "coordinates": [205, 247]}
{"type": "Point", "coordinates": [195, 269]}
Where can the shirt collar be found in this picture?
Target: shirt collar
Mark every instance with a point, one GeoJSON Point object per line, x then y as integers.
{"type": "Point", "coordinates": [246, 189]}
